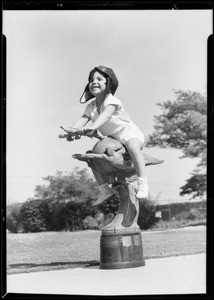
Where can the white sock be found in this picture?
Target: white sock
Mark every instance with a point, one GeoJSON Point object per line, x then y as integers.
{"type": "Point", "coordinates": [143, 189]}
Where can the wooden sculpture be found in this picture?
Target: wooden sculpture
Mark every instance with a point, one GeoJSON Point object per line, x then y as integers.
{"type": "Point", "coordinates": [121, 243]}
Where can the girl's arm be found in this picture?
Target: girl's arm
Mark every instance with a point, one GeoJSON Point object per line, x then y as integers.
{"type": "Point", "coordinates": [104, 117]}
{"type": "Point", "coordinates": [79, 124]}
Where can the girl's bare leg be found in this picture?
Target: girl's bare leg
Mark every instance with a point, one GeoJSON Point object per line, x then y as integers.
{"type": "Point", "coordinates": [134, 147]}
{"type": "Point", "coordinates": [99, 177]}
{"type": "Point", "coordinates": [104, 188]}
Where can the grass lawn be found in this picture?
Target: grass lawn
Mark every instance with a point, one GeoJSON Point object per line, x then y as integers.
{"type": "Point", "coordinates": [31, 252]}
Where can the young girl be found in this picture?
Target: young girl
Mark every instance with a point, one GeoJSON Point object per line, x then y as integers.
{"type": "Point", "coordinates": [108, 116]}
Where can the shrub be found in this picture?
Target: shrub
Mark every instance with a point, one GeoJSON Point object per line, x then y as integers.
{"type": "Point", "coordinates": [33, 215]}
{"type": "Point", "coordinates": [110, 206]}
{"type": "Point", "coordinates": [12, 223]}
{"type": "Point", "coordinates": [100, 218]}
{"type": "Point", "coordinates": [90, 223]}
{"type": "Point", "coordinates": [109, 218]}
{"type": "Point", "coordinates": [147, 218]}
{"type": "Point", "coordinates": [54, 219]}
{"type": "Point", "coordinates": [194, 214]}
{"type": "Point", "coordinates": [182, 216]}
{"type": "Point", "coordinates": [13, 218]}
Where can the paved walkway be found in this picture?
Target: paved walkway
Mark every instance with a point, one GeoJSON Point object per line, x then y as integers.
{"type": "Point", "coordinates": [173, 275]}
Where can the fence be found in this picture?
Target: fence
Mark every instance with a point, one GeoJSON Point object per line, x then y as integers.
{"type": "Point", "coordinates": [170, 209]}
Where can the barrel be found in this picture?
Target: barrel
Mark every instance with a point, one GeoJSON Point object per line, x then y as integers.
{"type": "Point", "coordinates": [120, 251]}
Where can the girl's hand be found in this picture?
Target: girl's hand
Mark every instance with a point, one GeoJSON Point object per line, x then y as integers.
{"type": "Point", "coordinates": [70, 130]}
{"type": "Point", "coordinates": [88, 131]}
{"type": "Point", "coordinates": [75, 134]}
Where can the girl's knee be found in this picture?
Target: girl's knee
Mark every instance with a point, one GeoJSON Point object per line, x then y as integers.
{"type": "Point", "coordinates": [134, 145]}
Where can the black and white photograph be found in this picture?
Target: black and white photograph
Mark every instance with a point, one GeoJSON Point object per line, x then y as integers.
{"type": "Point", "coordinates": [106, 151]}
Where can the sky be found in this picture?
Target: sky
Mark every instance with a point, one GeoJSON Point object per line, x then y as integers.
{"type": "Point", "coordinates": [49, 56]}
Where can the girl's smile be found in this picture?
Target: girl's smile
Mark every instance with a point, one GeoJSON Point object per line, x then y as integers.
{"type": "Point", "coordinates": [97, 84]}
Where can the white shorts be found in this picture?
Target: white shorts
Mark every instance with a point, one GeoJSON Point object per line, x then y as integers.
{"type": "Point", "coordinates": [129, 133]}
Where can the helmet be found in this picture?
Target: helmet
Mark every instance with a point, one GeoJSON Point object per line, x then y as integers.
{"type": "Point", "coordinates": [113, 82]}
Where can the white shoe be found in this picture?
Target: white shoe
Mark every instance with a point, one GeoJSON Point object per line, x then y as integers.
{"type": "Point", "coordinates": [143, 188]}
{"type": "Point", "coordinates": [105, 193]}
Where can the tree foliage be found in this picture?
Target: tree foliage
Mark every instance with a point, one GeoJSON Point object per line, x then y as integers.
{"type": "Point", "coordinates": [77, 185]}
{"type": "Point", "coordinates": [110, 206]}
{"type": "Point", "coordinates": [195, 186]}
{"type": "Point", "coordinates": [64, 203]}
{"type": "Point", "coordinates": [147, 218]}
{"type": "Point", "coordinates": [52, 215]}
{"type": "Point", "coordinates": [13, 218]}
{"type": "Point", "coordinates": [33, 214]}
{"type": "Point", "coordinates": [183, 125]}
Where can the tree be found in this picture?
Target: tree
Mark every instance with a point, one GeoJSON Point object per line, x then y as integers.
{"type": "Point", "coordinates": [77, 186]}
{"type": "Point", "coordinates": [183, 125]}
{"type": "Point", "coordinates": [195, 186]}
{"type": "Point", "coordinates": [68, 198]}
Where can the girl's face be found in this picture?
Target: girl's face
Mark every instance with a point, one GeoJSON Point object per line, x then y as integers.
{"type": "Point", "coordinates": [97, 84]}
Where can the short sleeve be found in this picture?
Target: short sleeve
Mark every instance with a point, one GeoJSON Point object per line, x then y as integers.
{"type": "Point", "coordinates": [113, 101]}
{"type": "Point", "coordinates": [88, 110]}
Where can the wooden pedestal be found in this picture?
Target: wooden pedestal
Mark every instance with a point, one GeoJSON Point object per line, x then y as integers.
{"type": "Point", "coordinates": [121, 242]}
{"type": "Point", "coordinates": [121, 251]}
